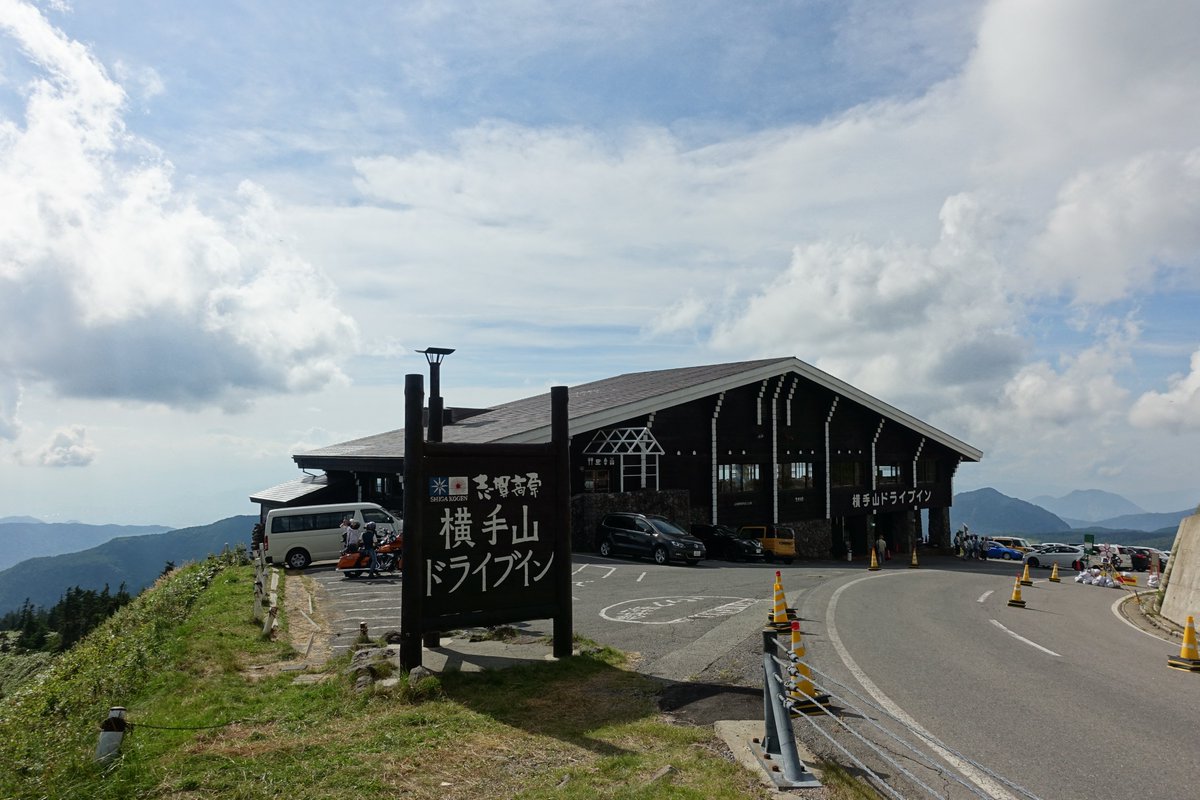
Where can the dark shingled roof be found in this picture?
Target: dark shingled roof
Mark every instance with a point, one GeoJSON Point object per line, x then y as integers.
{"type": "Point", "coordinates": [611, 400]}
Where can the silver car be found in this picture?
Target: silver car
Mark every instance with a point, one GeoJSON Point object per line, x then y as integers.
{"type": "Point", "coordinates": [1047, 555]}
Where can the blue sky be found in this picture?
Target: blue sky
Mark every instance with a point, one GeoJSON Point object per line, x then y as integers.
{"type": "Point", "coordinates": [225, 227]}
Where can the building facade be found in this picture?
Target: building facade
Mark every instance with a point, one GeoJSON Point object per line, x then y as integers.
{"type": "Point", "coordinates": [774, 440]}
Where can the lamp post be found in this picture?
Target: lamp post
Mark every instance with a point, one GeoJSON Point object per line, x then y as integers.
{"type": "Point", "coordinates": [434, 356]}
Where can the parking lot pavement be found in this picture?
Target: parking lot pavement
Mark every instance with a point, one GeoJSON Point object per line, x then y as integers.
{"type": "Point", "coordinates": [346, 603]}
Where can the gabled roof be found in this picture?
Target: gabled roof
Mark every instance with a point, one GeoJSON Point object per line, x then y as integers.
{"type": "Point", "coordinates": [612, 400]}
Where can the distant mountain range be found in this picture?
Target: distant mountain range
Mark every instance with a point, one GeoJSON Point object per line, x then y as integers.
{"type": "Point", "coordinates": [989, 511]}
{"type": "Point", "coordinates": [136, 561]}
{"type": "Point", "coordinates": [26, 537]}
{"type": "Point", "coordinates": [1088, 505]}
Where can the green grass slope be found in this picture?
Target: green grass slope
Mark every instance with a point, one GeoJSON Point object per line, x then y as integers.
{"type": "Point", "coordinates": [214, 715]}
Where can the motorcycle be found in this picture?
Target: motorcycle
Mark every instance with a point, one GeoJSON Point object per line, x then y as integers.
{"type": "Point", "coordinates": [388, 557]}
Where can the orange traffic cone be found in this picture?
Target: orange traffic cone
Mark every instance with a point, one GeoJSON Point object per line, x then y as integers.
{"type": "Point", "coordinates": [914, 563]}
{"type": "Point", "coordinates": [779, 617]}
{"type": "Point", "coordinates": [1025, 579]}
{"type": "Point", "coordinates": [1016, 600]}
{"type": "Point", "coordinates": [804, 699]}
{"type": "Point", "coordinates": [1189, 656]}
{"type": "Point", "coordinates": [1054, 574]}
{"type": "Point", "coordinates": [874, 561]}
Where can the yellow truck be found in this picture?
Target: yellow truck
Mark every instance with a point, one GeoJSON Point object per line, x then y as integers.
{"type": "Point", "coordinates": [777, 541]}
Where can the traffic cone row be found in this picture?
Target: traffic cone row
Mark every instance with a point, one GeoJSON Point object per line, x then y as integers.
{"type": "Point", "coordinates": [1054, 574]}
{"type": "Point", "coordinates": [1189, 657]}
{"type": "Point", "coordinates": [1025, 579]}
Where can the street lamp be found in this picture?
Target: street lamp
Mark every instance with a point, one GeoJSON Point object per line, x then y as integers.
{"type": "Point", "coordinates": [434, 356]}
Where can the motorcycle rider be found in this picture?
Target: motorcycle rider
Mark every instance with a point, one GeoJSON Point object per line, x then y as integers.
{"type": "Point", "coordinates": [353, 536]}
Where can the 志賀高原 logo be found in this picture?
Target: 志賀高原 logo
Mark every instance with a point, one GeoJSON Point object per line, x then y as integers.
{"type": "Point", "coordinates": [444, 489]}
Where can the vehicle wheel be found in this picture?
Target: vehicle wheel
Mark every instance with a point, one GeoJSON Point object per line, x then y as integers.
{"type": "Point", "coordinates": [354, 574]}
{"type": "Point", "coordinates": [1010, 556]}
{"type": "Point", "coordinates": [606, 548]}
{"type": "Point", "coordinates": [1033, 562]}
{"type": "Point", "coordinates": [297, 559]}
{"type": "Point", "coordinates": [661, 556]}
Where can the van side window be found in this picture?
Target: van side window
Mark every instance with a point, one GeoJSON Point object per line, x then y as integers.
{"type": "Point", "coordinates": [306, 522]}
{"type": "Point", "coordinates": [378, 517]}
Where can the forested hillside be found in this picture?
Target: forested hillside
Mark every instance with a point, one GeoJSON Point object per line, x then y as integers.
{"type": "Point", "coordinates": [23, 538]}
{"type": "Point", "coordinates": [135, 561]}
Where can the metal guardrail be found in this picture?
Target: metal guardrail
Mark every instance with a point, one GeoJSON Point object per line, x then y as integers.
{"type": "Point", "coordinates": [776, 752]}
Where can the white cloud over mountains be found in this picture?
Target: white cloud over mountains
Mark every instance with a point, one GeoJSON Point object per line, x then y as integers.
{"type": "Point", "coordinates": [113, 284]}
{"type": "Point", "coordinates": [977, 250]}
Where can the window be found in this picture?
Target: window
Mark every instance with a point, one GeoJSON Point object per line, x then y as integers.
{"type": "Point", "coordinates": [796, 475]}
{"type": "Point", "coordinates": [845, 473]}
{"type": "Point", "coordinates": [735, 478]}
{"type": "Point", "coordinates": [308, 522]}
{"type": "Point", "coordinates": [887, 474]}
{"type": "Point", "coordinates": [595, 480]}
{"type": "Point", "coordinates": [926, 470]}
{"type": "Point", "coordinates": [378, 517]}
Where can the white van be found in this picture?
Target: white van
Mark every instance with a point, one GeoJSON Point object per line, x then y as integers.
{"type": "Point", "coordinates": [299, 535]}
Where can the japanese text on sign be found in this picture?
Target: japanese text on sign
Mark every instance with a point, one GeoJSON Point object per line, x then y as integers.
{"type": "Point", "coordinates": [484, 544]}
{"type": "Point", "coordinates": [893, 497]}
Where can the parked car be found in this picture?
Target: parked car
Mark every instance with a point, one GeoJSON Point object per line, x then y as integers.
{"type": "Point", "coordinates": [1142, 557]}
{"type": "Point", "coordinates": [997, 550]}
{"type": "Point", "coordinates": [1013, 543]}
{"type": "Point", "coordinates": [1047, 555]}
{"type": "Point", "coordinates": [722, 541]}
{"type": "Point", "coordinates": [777, 542]}
{"type": "Point", "coordinates": [647, 535]}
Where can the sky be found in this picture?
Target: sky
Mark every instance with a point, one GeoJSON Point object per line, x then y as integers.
{"type": "Point", "coordinates": [225, 227]}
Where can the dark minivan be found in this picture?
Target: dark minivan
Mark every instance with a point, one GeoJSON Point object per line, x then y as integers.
{"type": "Point", "coordinates": [647, 535]}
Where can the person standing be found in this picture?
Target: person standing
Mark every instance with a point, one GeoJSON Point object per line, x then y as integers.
{"type": "Point", "coordinates": [880, 548]}
{"type": "Point", "coordinates": [368, 547]}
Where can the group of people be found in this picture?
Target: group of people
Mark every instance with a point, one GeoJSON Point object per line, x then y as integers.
{"type": "Point", "coordinates": [356, 538]}
{"type": "Point", "coordinates": [969, 545]}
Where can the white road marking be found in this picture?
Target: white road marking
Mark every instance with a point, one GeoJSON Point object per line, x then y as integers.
{"type": "Point", "coordinates": [625, 611]}
{"type": "Point", "coordinates": [1021, 638]}
{"type": "Point", "coordinates": [984, 596]}
{"type": "Point", "coordinates": [608, 574]}
{"type": "Point", "coordinates": [976, 777]}
{"type": "Point", "coordinates": [1116, 610]}
{"type": "Point", "coordinates": [639, 580]}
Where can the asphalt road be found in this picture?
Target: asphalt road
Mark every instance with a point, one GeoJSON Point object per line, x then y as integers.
{"type": "Point", "coordinates": [1062, 697]}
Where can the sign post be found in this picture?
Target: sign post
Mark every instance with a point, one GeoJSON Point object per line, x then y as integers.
{"type": "Point", "coordinates": [492, 534]}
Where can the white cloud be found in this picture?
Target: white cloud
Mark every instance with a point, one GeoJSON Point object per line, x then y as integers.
{"type": "Point", "coordinates": [113, 284]}
{"type": "Point", "coordinates": [1177, 409]}
{"type": "Point", "coordinates": [68, 447]}
{"type": "Point", "coordinates": [1116, 229]}
{"type": "Point", "coordinates": [10, 404]}
{"type": "Point", "coordinates": [149, 83]}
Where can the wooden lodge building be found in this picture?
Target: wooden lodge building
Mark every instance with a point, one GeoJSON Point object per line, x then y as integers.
{"type": "Point", "coordinates": [768, 441]}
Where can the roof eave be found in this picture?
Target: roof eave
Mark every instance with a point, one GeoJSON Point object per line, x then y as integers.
{"type": "Point", "coordinates": [611, 416]}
